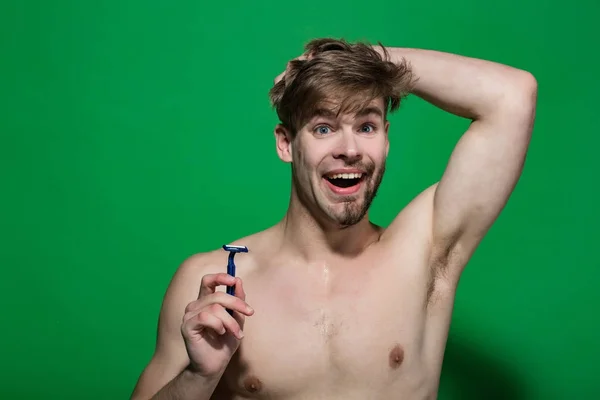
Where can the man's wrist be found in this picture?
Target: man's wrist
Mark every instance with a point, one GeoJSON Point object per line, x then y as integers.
{"type": "Point", "coordinates": [392, 52]}
{"type": "Point", "coordinates": [188, 384]}
{"type": "Point", "coordinates": [193, 374]}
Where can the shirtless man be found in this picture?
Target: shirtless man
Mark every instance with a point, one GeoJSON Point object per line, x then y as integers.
{"type": "Point", "coordinates": [342, 308]}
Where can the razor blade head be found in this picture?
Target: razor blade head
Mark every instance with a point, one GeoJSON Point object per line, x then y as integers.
{"type": "Point", "coordinates": [235, 249]}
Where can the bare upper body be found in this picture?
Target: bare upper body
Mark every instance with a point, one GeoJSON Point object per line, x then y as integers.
{"type": "Point", "coordinates": [371, 326]}
{"type": "Point", "coordinates": [359, 312]}
{"type": "Point", "coordinates": [368, 327]}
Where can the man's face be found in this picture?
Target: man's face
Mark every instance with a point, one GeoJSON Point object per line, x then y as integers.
{"type": "Point", "coordinates": [338, 163]}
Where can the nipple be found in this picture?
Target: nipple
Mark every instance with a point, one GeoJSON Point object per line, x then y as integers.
{"type": "Point", "coordinates": [396, 356]}
{"type": "Point", "coordinates": [252, 384]}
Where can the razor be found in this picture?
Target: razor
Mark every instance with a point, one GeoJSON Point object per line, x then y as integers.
{"type": "Point", "coordinates": [233, 250]}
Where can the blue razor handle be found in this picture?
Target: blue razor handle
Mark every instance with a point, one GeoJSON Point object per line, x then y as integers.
{"type": "Point", "coordinates": [231, 265]}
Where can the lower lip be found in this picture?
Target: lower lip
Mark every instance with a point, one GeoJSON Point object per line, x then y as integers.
{"type": "Point", "coordinates": [344, 191]}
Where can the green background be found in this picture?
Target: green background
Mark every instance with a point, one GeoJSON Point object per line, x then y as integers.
{"type": "Point", "coordinates": [136, 133]}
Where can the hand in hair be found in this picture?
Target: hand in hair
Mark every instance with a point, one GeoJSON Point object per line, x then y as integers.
{"type": "Point", "coordinates": [282, 75]}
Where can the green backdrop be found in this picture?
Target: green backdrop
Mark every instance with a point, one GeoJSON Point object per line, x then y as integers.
{"type": "Point", "coordinates": [136, 133]}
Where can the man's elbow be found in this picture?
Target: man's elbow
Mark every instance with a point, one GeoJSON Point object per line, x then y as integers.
{"type": "Point", "coordinates": [519, 102]}
{"type": "Point", "coordinates": [528, 89]}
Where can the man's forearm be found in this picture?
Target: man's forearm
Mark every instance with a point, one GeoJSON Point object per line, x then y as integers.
{"type": "Point", "coordinates": [467, 87]}
{"type": "Point", "coordinates": [188, 385]}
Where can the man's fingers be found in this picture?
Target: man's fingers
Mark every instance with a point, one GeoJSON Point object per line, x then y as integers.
{"type": "Point", "coordinates": [213, 317]}
{"type": "Point", "coordinates": [210, 282]}
{"type": "Point", "coordinates": [203, 320]}
{"type": "Point", "coordinates": [231, 324]}
{"type": "Point", "coordinates": [209, 310]}
{"type": "Point", "coordinates": [239, 289]}
{"type": "Point", "coordinates": [221, 298]}
{"type": "Point", "coordinates": [279, 77]}
{"type": "Point", "coordinates": [287, 67]}
{"type": "Point", "coordinates": [241, 294]}
{"type": "Point", "coordinates": [230, 302]}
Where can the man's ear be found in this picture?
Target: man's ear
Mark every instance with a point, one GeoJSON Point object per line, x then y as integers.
{"type": "Point", "coordinates": [283, 142]}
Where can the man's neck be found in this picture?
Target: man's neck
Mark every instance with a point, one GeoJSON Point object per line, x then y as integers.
{"type": "Point", "coordinates": [313, 240]}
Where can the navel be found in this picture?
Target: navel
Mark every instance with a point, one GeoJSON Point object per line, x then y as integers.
{"type": "Point", "coordinates": [396, 356]}
{"type": "Point", "coordinates": [252, 384]}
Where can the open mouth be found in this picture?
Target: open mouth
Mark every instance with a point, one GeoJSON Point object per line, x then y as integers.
{"type": "Point", "coordinates": [344, 183]}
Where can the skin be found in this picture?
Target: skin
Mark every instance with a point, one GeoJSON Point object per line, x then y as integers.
{"type": "Point", "coordinates": [349, 311]}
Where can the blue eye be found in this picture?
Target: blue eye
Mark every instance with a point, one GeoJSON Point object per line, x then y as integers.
{"type": "Point", "coordinates": [369, 128]}
{"type": "Point", "coordinates": [322, 130]}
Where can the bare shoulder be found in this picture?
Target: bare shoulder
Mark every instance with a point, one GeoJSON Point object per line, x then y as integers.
{"type": "Point", "coordinates": [185, 283]}
{"type": "Point", "coordinates": [192, 269]}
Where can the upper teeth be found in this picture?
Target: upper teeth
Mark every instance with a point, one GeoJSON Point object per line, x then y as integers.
{"type": "Point", "coordinates": [345, 176]}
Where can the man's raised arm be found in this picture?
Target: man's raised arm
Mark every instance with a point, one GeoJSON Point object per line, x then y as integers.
{"type": "Point", "coordinates": [488, 159]}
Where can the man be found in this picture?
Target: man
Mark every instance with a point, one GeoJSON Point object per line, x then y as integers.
{"type": "Point", "coordinates": [328, 305]}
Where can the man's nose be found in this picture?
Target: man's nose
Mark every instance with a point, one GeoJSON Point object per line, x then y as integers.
{"type": "Point", "coordinates": [348, 147]}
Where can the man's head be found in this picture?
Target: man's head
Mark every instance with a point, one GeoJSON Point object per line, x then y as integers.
{"type": "Point", "coordinates": [333, 105]}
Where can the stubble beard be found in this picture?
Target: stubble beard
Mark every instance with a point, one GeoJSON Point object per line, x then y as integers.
{"type": "Point", "coordinates": [355, 210]}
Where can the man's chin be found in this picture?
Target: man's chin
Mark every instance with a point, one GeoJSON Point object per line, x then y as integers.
{"type": "Point", "coordinates": [348, 216]}
{"type": "Point", "coordinates": [349, 221]}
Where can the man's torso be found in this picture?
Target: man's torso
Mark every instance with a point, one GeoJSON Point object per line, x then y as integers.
{"type": "Point", "coordinates": [372, 327]}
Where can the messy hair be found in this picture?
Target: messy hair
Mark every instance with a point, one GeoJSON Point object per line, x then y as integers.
{"type": "Point", "coordinates": [341, 78]}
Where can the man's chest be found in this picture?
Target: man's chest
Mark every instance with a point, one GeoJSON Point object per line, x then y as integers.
{"type": "Point", "coordinates": [340, 330]}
